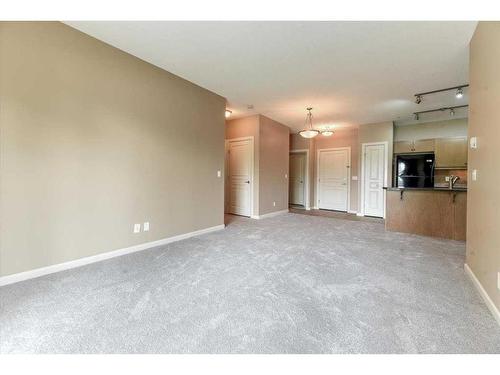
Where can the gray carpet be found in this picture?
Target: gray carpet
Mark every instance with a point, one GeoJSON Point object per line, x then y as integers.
{"type": "Point", "coordinates": [288, 284]}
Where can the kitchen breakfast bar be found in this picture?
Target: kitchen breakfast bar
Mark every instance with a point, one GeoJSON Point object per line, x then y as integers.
{"type": "Point", "coordinates": [436, 212]}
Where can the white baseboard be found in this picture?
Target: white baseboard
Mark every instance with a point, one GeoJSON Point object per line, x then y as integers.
{"type": "Point", "coordinates": [315, 208]}
{"type": "Point", "coordinates": [352, 212]}
{"type": "Point", "coordinates": [482, 292]}
{"type": "Point", "coordinates": [270, 214]}
{"type": "Point", "coordinates": [14, 278]}
{"type": "Point", "coordinates": [359, 214]}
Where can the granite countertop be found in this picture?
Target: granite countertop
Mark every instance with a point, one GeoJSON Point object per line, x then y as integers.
{"type": "Point", "coordinates": [458, 188]}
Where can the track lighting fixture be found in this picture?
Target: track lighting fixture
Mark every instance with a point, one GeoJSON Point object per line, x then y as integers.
{"type": "Point", "coordinates": [458, 94]}
{"type": "Point", "coordinates": [228, 113]}
{"type": "Point", "coordinates": [416, 115]}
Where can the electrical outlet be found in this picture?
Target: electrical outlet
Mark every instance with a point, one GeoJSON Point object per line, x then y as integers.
{"type": "Point", "coordinates": [447, 178]}
{"type": "Point", "coordinates": [274, 204]}
{"type": "Point", "coordinates": [219, 174]}
{"type": "Point", "coordinates": [474, 175]}
{"type": "Point", "coordinates": [286, 175]}
{"type": "Point", "coordinates": [146, 226]}
{"type": "Point", "coordinates": [137, 228]}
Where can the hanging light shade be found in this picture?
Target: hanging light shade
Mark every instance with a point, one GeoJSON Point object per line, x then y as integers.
{"type": "Point", "coordinates": [309, 132]}
{"type": "Point", "coordinates": [327, 132]}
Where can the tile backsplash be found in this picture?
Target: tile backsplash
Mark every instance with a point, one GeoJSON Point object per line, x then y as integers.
{"type": "Point", "coordinates": [440, 174]}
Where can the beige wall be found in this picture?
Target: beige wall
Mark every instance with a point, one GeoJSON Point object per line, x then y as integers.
{"type": "Point", "coordinates": [343, 137]}
{"type": "Point", "coordinates": [94, 140]}
{"type": "Point", "coordinates": [273, 166]}
{"type": "Point", "coordinates": [429, 130]}
{"type": "Point", "coordinates": [352, 137]}
{"type": "Point", "coordinates": [271, 146]}
{"type": "Point", "coordinates": [483, 202]}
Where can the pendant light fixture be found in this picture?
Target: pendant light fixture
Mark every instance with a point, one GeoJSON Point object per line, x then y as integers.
{"type": "Point", "coordinates": [309, 132]}
{"type": "Point", "coordinates": [327, 132]}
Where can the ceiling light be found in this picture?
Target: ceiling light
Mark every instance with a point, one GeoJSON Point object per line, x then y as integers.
{"type": "Point", "coordinates": [416, 116]}
{"type": "Point", "coordinates": [418, 99]}
{"type": "Point", "coordinates": [228, 113]}
{"type": "Point", "coordinates": [460, 93]}
{"type": "Point", "coordinates": [309, 132]}
{"type": "Point", "coordinates": [452, 112]}
{"type": "Point", "coordinates": [327, 132]}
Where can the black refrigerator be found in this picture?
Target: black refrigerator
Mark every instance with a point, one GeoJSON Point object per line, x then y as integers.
{"type": "Point", "coordinates": [414, 170]}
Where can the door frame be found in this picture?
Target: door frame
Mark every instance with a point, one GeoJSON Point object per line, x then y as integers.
{"type": "Point", "coordinates": [227, 170]}
{"type": "Point", "coordinates": [348, 174]}
{"type": "Point", "coordinates": [306, 177]}
{"type": "Point", "coordinates": [362, 185]}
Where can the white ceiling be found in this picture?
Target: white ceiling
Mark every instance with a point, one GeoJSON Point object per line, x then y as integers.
{"type": "Point", "coordinates": [350, 72]}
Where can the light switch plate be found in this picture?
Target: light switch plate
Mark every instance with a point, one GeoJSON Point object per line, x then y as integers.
{"type": "Point", "coordinates": [474, 175]}
{"type": "Point", "coordinates": [473, 143]}
{"type": "Point", "coordinates": [219, 174]}
{"type": "Point", "coordinates": [146, 226]}
{"type": "Point", "coordinates": [137, 228]}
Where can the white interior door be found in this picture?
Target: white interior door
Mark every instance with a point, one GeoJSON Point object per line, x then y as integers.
{"type": "Point", "coordinates": [374, 175]}
{"type": "Point", "coordinates": [240, 154]}
{"type": "Point", "coordinates": [333, 179]}
{"type": "Point", "coordinates": [297, 178]}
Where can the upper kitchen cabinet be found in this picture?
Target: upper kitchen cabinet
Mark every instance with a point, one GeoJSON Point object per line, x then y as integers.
{"type": "Point", "coordinates": [451, 152]}
{"type": "Point", "coordinates": [421, 145]}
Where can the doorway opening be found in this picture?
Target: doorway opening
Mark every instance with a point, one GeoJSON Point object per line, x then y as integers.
{"type": "Point", "coordinates": [299, 179]}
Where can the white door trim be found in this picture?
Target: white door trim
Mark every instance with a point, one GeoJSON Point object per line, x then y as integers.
{"type": "Point", "coordinates": [252, 167]}
{"type": "Point", "coordinates": [362, 187]}
{"type": "Point", "coordinates": [306, 190]}
{"type": "Point", "coordinates": [348, 174]}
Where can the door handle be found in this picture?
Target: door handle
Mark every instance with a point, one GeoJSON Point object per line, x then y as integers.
{"type": "Point", "coordinates": [247, 182]}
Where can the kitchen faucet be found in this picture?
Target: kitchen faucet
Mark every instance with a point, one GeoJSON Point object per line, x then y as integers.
{"type": "Point", "coordinates": [452, 181]}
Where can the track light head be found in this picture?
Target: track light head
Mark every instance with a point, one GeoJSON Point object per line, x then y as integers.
{"type": "Point", "coordinates": [460, 93]}
{"type": "Point", "coordinates": [418, 99]}
{"type": "Point", "coordinates": [452, 112]}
